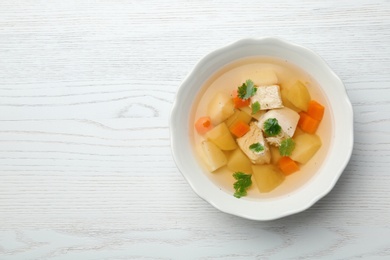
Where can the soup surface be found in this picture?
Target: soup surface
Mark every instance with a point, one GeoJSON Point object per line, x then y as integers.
{"type": "Point", "coordinates": [234, 75]}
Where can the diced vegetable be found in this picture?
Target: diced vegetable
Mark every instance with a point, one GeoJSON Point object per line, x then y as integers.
{"type": "Point", "coordinates": [238, 102]}
{"type": "Point", "coordinates": [248, 110]}
{"type": "Point", "coordinates": [239, 162]}
{"type": "Point", "coordinates": [239, 129]}
{"type": "Point", "coordinates": [310, 121]}
{"type": "Point", "coordinates": [203, 125]}
{"type": "Point", "coordinates": [267, 177]}
{"type": "Point", "coordinates": [287, 165]}
{"type": "Point", "coordinates": [286, 101]}
{"type": "Point", "coordinates": [316, 110]}
{"type": "Point", "coordinates": [299, 96]}
{"type": "Point", "coordinates": [266, 77]}
{"type": "Point", "coordinates": [220, 108]}
{"type": "Point", "coordinates": [213, 156]}
{"type": "Point", "coordinates": [221, 137]}
{"type": "Point", "coordinates": [275, 155]}
{"type": "Point", "coordinates": [298, 131]}
{"type": "Point", "coordinates": [238, 116]}
{"type": "Point", "coordinates": [307, 123]}
{"type": "Point", "coordinates": [306, 145]}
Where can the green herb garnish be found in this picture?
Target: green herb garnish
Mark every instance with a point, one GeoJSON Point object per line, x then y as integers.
{"type": "Point", "coordinates": [256, 147]}
{"type": "Point", "coordinates": [272, 127]}
{"type": "Point", "coordinates": [255, 107]}
{"type": "Point", "coordinates": [246, 90]}
{"type": "Point", "coordinates": [286, 147]}
{"type": "Point", "coordinates": [243, 182]}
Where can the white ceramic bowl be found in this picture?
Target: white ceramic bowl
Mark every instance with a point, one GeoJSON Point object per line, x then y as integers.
{"type": "Point", "coordinates": [318, 186]}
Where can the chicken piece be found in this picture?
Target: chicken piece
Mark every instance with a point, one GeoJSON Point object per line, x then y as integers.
{"type": "Point", "coordinates": [253, 136]}
{"type": "Point", "coordinates": [287, 119]}
{"type": "Point", "coordinates": [268, 97]}
{"type": "Point", "coordinates": [276, 140]}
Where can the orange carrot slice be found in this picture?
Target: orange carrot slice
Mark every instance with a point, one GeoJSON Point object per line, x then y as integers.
{"type": "Point", "coordinates": [316, 110]}
{"type": "Point", "coordinates": [287, 165]}
{"type": "Point", "coordinates": [203, 125]}
{"type": "Point", "coordinates": [238, 102]}
{"type": "Point", "coordinates": [239, 129]}
{"type": "Point", "coordinates": [307, 123]}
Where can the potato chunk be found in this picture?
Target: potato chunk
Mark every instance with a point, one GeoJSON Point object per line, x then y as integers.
{"type": "Point", "coordinates": [221, 137]}
{"type": "Point", "coordinates": [275, 154]}
{"type": "Point", "coordinates": [299, 96]}
{"type": "Point", "coordinates": [264, 77]}
{"type": "Point", "coordinates": [238, 116]}
{"type": "Point", "coordinates": [239, 162]}
{"type": "Point", "coordinates": [248, 111]}
{"type": "Point", "coordinates": [306, 145]}
{"type": "Point", "coordinates": [298, 131]}
{"type": "Point", "coordinates": [286, 101]}
{"type": "Point", "coordinates": [213, 156]}
{"type": "Point", "coordinates": [220, 108]}
{"type": "Point", "coordinates": [267, 177]}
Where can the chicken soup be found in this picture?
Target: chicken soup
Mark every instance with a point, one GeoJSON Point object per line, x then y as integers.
{"type": "Point", "coordinates": [261, 127]}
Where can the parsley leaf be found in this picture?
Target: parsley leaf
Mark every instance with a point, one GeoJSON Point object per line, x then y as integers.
{"type": "Point", "coordinates": [246, 90]}
{"type": "Point", "coordinates": [286, 147]}
{"type": "Point", "coordinates": [272, 127]}
{"type": "Point", "coordinates": [255, 107]}
{"type": "Point", "coordinates": [256, 147]}
{"type": "Point", "coordinates": [243, 182]}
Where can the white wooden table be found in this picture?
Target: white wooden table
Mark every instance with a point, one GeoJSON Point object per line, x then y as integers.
{"type": "Point", "coordinates": [86, 89]}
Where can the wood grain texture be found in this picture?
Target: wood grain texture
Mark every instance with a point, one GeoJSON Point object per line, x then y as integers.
{"type": "Point", "coordinates": [86, 89]}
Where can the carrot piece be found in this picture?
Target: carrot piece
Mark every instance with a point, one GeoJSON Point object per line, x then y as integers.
{"type": "Point", "coordinates": [287, 165]}
{"type": "Point", "coordinates": [307, 123]}
{"type": "Point", "coordinates": [238, 102]}
{"type": "Point", "coordinates": [203, 125]}
{"type": "Point", "coordinates": [316, 110]}
{"type": "Point", "coordinates": [239, 129]}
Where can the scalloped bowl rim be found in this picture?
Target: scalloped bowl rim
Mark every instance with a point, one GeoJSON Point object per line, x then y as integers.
{"type": "Point", "coordinates": [267, 209]}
